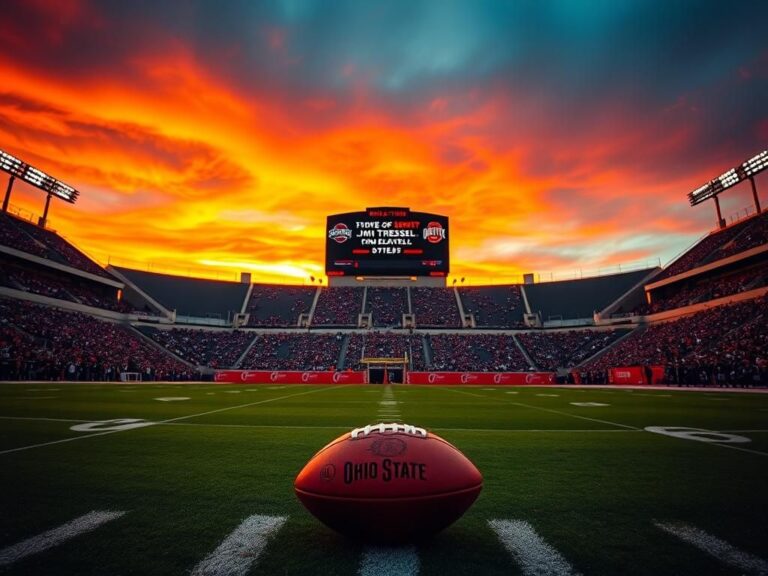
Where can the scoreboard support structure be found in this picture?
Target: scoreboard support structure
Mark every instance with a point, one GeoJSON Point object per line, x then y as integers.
{"type": "Point", "coordinates": [386, 370]}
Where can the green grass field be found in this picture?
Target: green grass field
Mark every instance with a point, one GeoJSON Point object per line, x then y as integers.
{"type": "Point", "coordinates": [589, 479]}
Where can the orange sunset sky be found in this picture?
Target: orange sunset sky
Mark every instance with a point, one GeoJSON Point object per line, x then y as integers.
{"type": "Point", "coordinates": [210, 138]}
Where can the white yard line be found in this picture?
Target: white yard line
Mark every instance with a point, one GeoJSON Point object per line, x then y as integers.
{"type": "Point", "coordinates": [506, 401]}
{"type": "Point", "coordinates": [385, 561]}
{"type": "Point", "coordinates": [633, 428]}
{"type": "Point", "coordinates": [738, 448]}
{"type": "Point", "coordinates": [238, 551]}
{"type": "Point", "coordinates": [439, 429]}
{"type": "Point", "coordinates": [74, 438]}
{"type": "Point", "coordinates": [531, 552]}
{"type": "Point", "coordinates": [347, 426]}
{"type": "Point", "coordinates": [56, 536]}
{"type": "Point", "coordinates": [388, 410]}
{"type": "Point", "coordinates": [720, 549]}
{"type": "Point", "coordinates": [34, 418]}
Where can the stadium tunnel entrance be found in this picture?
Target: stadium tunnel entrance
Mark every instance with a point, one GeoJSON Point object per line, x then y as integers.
{"type": "Point", "coordinates": [386, 375]}
{"type": "Point", "coordinates": [385, 370]}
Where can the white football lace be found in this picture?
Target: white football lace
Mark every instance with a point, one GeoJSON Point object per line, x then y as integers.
{"type": "Point", "coordinates": [392, 427]}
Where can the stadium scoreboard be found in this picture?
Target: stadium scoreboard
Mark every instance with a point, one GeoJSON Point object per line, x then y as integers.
{"type": "Point", "coordinates": [386, 242]}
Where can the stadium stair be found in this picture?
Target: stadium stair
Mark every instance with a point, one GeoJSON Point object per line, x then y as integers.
{"type": "Point", "coordinates": [365, 299]}
{"type": "Point", "coordinates": [246, 300]}
{"type": "Point", "coordinates": [636, 292]}
{"type": "Point", "coordinates": [314, 306]}
{"type": "Point", "coordinates": [524, 352]}
{"type": "Point", "coordinates": [525, 299]}
{"type": "Point", "coordinates": [139, 334]}
{"type": "Point", "coordinates": [460, 304]}
{"type": "Point", "coordinates": [408, 294]}
{"type": "Point", "coordinates": [343, 353]}
{"type": "Point", "coordinates": [636, 332]}
{"type": "Point", "coordinates": [428, 349]}
{"type": "Point", "coordinates": [239, 361]}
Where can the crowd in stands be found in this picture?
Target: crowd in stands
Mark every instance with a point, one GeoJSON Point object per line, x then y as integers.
{"type": "Point", "coordinates": [45, 343]}
{"type": "Point", "coordinates": [476, 353]}
{"type": "Point", "coordinates": [494, 306]}
{"type": "Point", "coordinates": [28, 237]}
{"type": "Point", "coordinates": [756, 234]}
{"type": "Point", "coordinates": [213, 348]}
{"type": "Point", "coordinates": [338, 307]}
{"type": "Point", "coordinates": [278, 306]}
{"type": "Point", "coordinates": [553, 350]}
{"type": "Point", "coordinates": [384, 345]}
{"type": "Point", "coordinates": [722, 244]}
{"type": "Point", "coordinates": [13, 237]}
{"type": "Point", "coordinates": [721, 345]}
{"type": "Point", "coordinates": [387, 306]}
{"type": "Point", "coordinates": [55, 284]}
{"type": "Point", "coordinates": [707, 289]}
{"type": "Point", "coordinates": [285, 351]}
{"type": "Point", "coordinates": [435, 307]}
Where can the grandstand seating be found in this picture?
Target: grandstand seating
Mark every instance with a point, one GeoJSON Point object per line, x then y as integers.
{"type": "Point", "coordinates": [29, 277]}
{"type": "Point", "coordinates": [278, 306]}
{"type": "Point", "coordinates": [580, 298]}
{"type": "Point", "coordinates": [435, 307]}
{"type": "Point", "coordinates": [721, 344]}
{"type": "Point", "coordinates": [13, 237]}
{"type": "Point", "coordinates": [753, 235]}
{"type": "Point", "coordinates": [51, 344]}
{"type": "Point", "coordinates": [553, 350]}
{"type": "Point", "coordinates": [698, 290]}
{"type": "Point", "coordinates": [212, 348]}
{"type": "Point", "coordinates": [475, 352]}
{"type": "Point", "coordinates": [27, 237]}
{"type": "Point", "coordinates": [720, 244]}
{"type": "Point", "coordinates": [287, 351]}
{"type": "Point", "coordinates": [386, 306]}
{"type": "Point", "coordinates": [190, 296]}
{"type": "Point", "coordinates": [724, 343]}
{"type": "Point", "coordinates": [338, 307]}
{"type": "Point", "coordinates": [494, 306]}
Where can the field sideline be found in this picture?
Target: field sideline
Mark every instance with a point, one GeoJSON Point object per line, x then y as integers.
{"type": "Point", "coordinates": [574, 481]}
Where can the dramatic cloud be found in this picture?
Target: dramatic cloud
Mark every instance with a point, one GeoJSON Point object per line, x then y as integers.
{"type": "Point", "coordinates": [560, 137]}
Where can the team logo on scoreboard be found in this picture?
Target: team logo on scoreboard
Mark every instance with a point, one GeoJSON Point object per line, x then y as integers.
{"type": "Point", "coordinates": [434, 233]}
{"type": "Point", "coordinates": [340, 233]}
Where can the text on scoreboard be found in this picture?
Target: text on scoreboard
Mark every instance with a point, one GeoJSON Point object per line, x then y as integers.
{"type": "Point", "coordinates": [386, 242]}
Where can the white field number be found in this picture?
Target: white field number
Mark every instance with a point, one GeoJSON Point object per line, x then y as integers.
{"type": "Point", "coordinates": [698, 434]}
{"type": "Point", "coordinates": [110, 425]}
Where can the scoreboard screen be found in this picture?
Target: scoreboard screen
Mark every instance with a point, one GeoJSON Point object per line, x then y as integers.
{"type": "Point", "coordinates": [386, 242]}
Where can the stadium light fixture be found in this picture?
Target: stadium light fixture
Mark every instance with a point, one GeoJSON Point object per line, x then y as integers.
{"type": "Point", "coordinates": [11, 164]}
{"type": "Point", "coordinates": [37, 178]}
{"type": "Point", "coordinates": [756, 164]}
{"type": "Point", "coordinates": [745, 171]}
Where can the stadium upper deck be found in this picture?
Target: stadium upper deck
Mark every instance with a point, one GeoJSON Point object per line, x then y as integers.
{"type": "Point", "coordinates": [486, 328]}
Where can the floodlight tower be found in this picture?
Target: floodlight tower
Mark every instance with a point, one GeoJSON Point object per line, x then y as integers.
{"type": "Point", "coordinates": [37, 178]}
{"type": "Point", "coordinates": [747, 170]}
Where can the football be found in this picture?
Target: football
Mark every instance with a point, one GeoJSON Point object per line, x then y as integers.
{"type": "Point", "coordinates": [388, 483]}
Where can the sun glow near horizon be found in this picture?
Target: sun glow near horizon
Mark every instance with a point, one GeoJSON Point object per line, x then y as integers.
{"type": "Point", "coordinates": [223, 153]}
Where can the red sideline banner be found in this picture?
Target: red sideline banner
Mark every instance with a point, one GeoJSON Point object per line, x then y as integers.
{"type": "Point", "coordinates": [636, 375]}
{"type": "Point", "coordinates": [481, 378]}
{"type": "Point", "coordinates": [288, 377]}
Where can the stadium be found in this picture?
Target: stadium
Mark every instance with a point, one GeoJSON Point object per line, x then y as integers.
{"type": "Point", "coordinates": [153, 422]}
